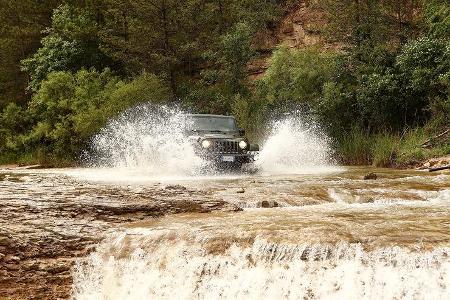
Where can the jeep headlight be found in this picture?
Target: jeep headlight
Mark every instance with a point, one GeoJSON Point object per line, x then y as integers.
{"type": "Point", "coordinates": [243, 145]}
{"type": "Point", "coordinates": [206, 144]}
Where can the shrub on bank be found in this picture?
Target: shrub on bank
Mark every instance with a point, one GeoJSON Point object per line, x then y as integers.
{"type": "Point", "coordinates": [68, 109]}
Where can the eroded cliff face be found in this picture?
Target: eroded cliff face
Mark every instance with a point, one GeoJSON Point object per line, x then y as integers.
{"type": "Point", "coordinates": [302, 26]}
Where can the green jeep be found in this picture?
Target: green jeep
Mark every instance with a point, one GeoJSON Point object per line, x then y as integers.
{"type": "Point", "coordinates": [218, 139]}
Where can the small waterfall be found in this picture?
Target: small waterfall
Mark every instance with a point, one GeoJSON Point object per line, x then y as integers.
{"type": "Point", "coordinates": [164, 266]}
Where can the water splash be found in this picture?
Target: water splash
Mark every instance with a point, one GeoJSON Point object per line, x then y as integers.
{"type": "Point", "coordinates": [151, 140]}
{"type": "Point", "coordinates": [147, 138]}
{"type": "Point", "coordinates": [296, 146]}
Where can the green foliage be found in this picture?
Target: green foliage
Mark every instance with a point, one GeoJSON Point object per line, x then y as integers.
{"type": "Point", "coordinates": [338, 108]}
{"type": "Point", "coordinates": [56, 54]}
{"type": "Point", "coordinates": [227, 76]}
{"type": "Point", "coordinates": [384, 149]}
{"type": "Point", "coordinates": [20, 31]}
{"type": "Point", "coordinates": [186, 39]}
{"type": "Point", "coordinates": [425, 60]}
{"type": "Point", "coordinates": [425, 64]}
{"type": "Point", "coordinates": [69, 108]}
{"type": "Point", "coordinates": [367, 96]}
{"type": "Point", "coordinates": [242, 110]}
{"type": "Point", "coordinates": [380, 102]}
{"type": "Point", "coordinates": [407, 91]}
{"type": "Point", "coordinates": [296, 76]}
{"type": "Point", "coordinates": [255, 12]}
{"type": "Point", "coordinates": [234, 53]}
{"type": "Point", "coordinates": [70, 45]}
{"type": "Point", "coordinates": [369, 23]}
{"type": "Point", "coordinates": [437, 17]}
{"type": "Point", "coordinates": [354, 147]}
{"type": "Point", "coordinates": [13, 119]}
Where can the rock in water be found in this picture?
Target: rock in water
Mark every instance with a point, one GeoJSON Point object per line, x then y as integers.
{"type": "Point", "coordinates": [267, 204]}
{"type": "Point", "coordinates": [175, 187]}
{"type": "Point", "coordinates": [371, 176]}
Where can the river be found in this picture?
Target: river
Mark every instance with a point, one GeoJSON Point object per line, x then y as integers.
{"type": "Point", "coordinates": [324, 233]}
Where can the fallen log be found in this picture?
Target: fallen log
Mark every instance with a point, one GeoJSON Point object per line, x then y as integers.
{"type": "Point", "coordinates": [439, 168]}
{"type": "Point", "coordinates": [429, 142]}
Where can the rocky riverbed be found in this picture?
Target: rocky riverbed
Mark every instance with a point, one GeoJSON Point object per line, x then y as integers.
{"type": "Point", "coordinates": [49, 220]}
{"type": "Point", "coordinates": [52, 220]}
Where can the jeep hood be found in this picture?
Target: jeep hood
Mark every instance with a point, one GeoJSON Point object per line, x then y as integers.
{"type": "Point", "coordinates": [215, 136]}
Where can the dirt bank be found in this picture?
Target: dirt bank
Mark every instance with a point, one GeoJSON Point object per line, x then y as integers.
{"type": "Point", "coordinates": [46, 223]}
{"type": "Point", "coordinates": [435, 163]}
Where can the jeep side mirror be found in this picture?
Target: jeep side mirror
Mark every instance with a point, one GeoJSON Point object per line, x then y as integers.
{"type": "Point", "coordinates": [241, 132]}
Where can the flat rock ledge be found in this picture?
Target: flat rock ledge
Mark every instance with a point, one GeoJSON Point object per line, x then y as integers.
{"type": "Point", "coordinates": [43, 232]}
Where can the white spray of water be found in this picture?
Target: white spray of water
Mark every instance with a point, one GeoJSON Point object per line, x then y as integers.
{"type": "Point", "coordinates": [295, 146]}
{"type": "Point", "coordinates": [171, 268]}
{"type": "Point", "coordinates": [149, 139]}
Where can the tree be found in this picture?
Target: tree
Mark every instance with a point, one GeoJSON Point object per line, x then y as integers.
{"type": "Point", "coordinates": [72, 43]}
{"type": "Point", "coordinates": [363, 24]}
{"type": "Point", "coordinates": [297, 76]}
{"type": "Point", "coordinates": [20, 32]}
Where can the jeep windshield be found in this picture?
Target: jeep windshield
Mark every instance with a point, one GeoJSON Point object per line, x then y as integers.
{"type": "Point", "coordinates": [212, 124]}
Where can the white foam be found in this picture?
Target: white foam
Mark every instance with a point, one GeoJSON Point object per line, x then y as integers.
{"type": "Point", "coordinates": [178, 269]}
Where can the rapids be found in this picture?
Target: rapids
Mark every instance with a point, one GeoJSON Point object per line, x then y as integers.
{"type": "Point", "coordinates": [308, 229]}
{"type": "Point", "coordinates": [332, 236]}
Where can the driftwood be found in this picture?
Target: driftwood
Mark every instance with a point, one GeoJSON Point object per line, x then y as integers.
{"type": "Point", "coordinates": [429, 142]}
{"type": "Point", "coordinates": [439, 168]}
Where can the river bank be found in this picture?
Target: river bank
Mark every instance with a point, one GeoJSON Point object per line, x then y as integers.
{"type": "Point", "coordinates": [422, 164]}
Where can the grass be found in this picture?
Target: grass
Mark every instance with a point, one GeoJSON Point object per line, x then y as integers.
{"type": "Point", "coordinates": [384, 149]}
{"type": "Point", "coordinates": [354, 148]}
{"type": "Point", "coordinates": [34, 158]}
{"type": "Point", "coordinates": [387, 149]}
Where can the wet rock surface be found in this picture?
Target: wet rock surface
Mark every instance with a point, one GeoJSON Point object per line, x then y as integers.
{"type": "Point", "coordinates": [48, 221]}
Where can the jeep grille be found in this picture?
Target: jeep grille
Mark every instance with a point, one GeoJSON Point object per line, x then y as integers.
{"type": "Point", "coordinates": [225, 147]}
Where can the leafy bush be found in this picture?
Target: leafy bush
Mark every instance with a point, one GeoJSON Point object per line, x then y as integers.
{"type": "Point", "coordinates": [297, 76]}
{"type": "Point", "coordinates": [69, 108]}
{"type": "Point", "coordinates": [381, 102]}
{"type": "Point", "coordinates": [437, 18]}
{"type": "Point", "coordinates": [338, 109]}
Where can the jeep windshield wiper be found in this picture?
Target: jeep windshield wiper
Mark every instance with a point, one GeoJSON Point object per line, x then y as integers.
{"type": "Point", "coordinates": [210, 131]}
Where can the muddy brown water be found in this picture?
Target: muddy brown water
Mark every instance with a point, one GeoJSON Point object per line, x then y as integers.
{"type": "Point", "coordinates": [115, 234]}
